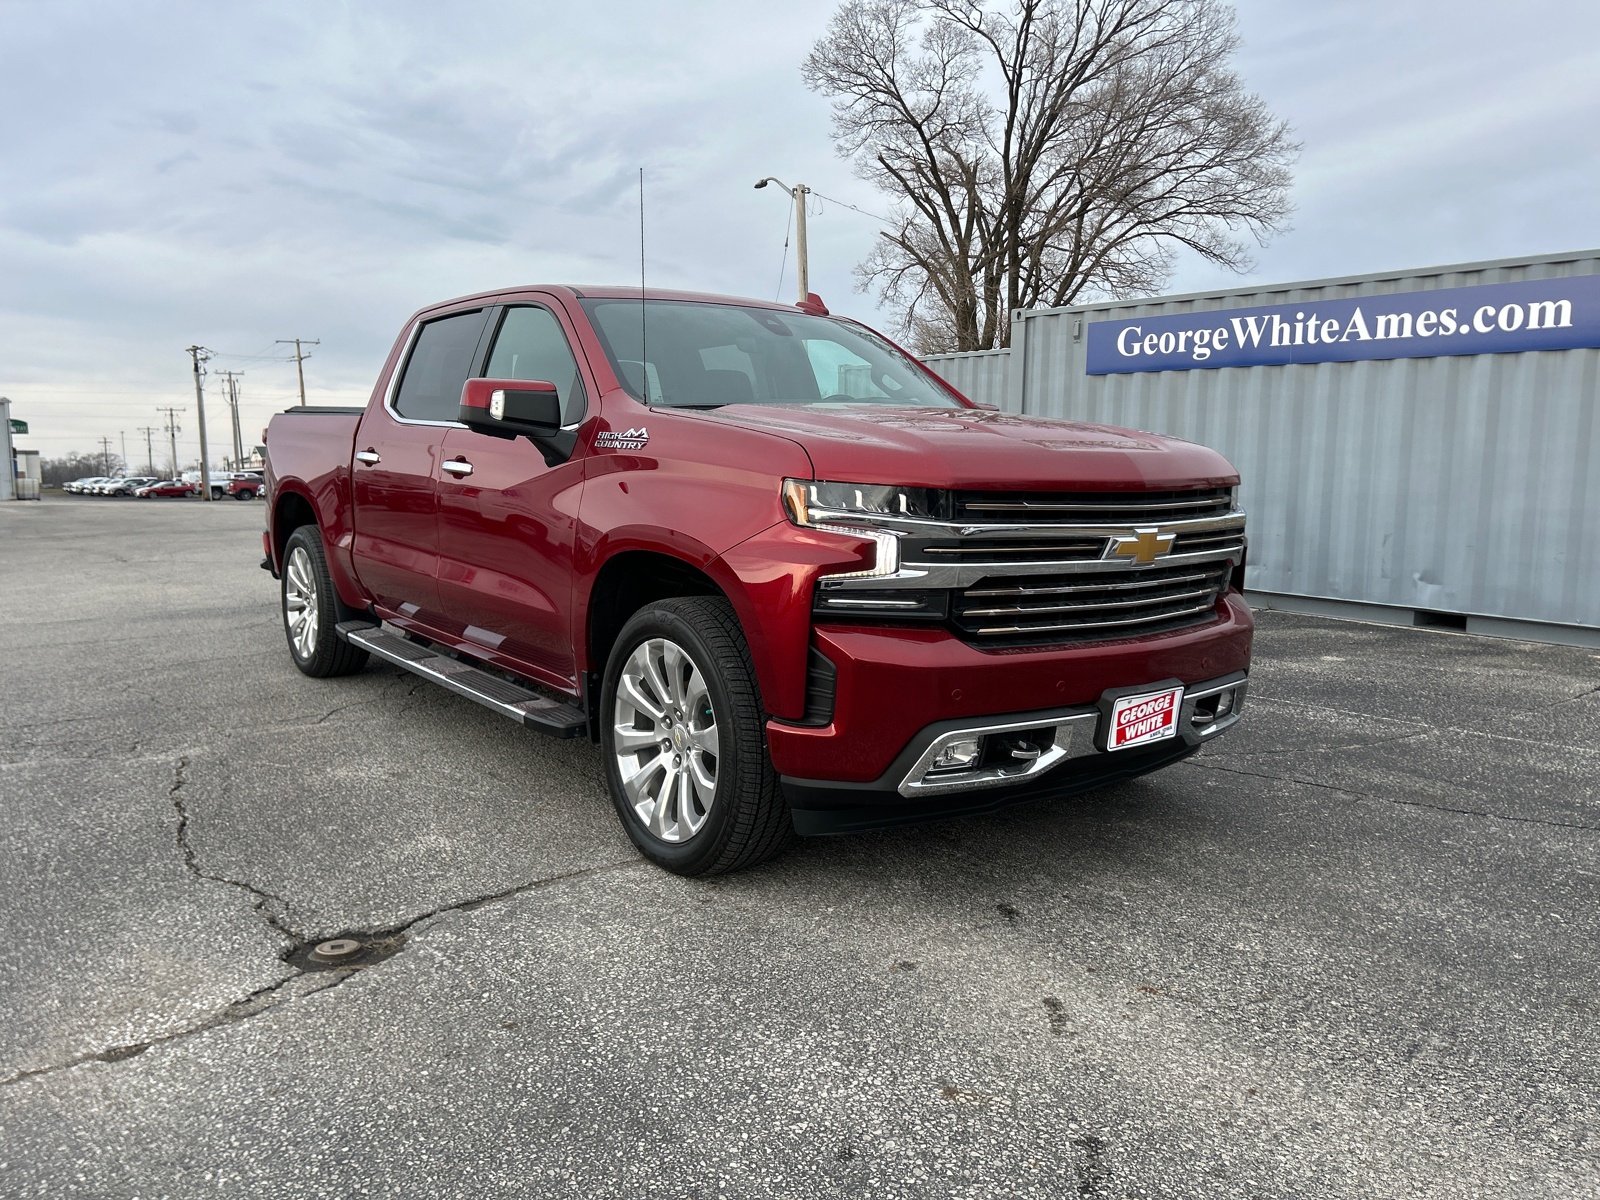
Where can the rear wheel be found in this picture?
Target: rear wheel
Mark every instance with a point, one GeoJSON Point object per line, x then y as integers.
{"type": "Point", "coordinates": [682, 727]}
{"type": "Point", "coordinates": [311, 610]}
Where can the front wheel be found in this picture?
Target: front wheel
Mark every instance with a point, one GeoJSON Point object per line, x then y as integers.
{"type": "Point", "coordinates": [311, 610]}
{"type": "Point", "coordinates": [682, 728]}
{"type": "Point", "coordinates": [244, 494]}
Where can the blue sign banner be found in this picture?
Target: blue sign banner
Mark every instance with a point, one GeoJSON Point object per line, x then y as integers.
{"type": "Point", "coordinates": [1494, 318]}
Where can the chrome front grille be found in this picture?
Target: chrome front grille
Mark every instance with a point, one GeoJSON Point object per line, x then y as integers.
{"type": "Point", "coordinates": [1110, 604]}
{"type": "Point", "coordinates": [1038, 568]}
{"type": "Point", "coordinates": [1094, 508]}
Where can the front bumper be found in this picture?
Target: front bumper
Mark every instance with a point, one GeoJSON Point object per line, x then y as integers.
{"type": "Point", "coordinates": [913, 790]}
{"type": "Point", "coordinates": [893, 684]}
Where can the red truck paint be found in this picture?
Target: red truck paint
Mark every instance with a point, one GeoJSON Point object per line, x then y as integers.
{"type": "Point", "coordinates": [520, 549]}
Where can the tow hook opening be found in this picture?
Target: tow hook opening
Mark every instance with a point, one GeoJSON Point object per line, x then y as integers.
{"type": "Point", "coordinates": [1002, 750]}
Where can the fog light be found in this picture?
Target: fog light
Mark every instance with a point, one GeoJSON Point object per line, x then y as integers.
{"type": "Point", "coordinates": [1225, 703]}
{"type": "Point", "coordinates": [958, 755]}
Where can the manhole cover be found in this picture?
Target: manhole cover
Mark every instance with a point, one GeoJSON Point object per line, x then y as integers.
{"type": "Point", "coordinates": [337, 949]}
{"type": "Point", "coordinates": [347, 951]}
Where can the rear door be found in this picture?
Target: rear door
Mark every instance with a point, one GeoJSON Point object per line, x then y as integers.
{"type": "Point", "coordinates": [395, 473]}
{"type": "Point", "coordinates": [507, 517]}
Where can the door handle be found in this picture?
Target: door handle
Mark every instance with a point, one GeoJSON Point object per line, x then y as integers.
{"type": "Point", "coordinates": [367, 456]}
{"type": "Point", "coordinates": [457, 468]}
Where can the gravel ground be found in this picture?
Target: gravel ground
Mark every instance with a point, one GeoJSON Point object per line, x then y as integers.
{"type": "Point", "coordinates": [1350, 950]}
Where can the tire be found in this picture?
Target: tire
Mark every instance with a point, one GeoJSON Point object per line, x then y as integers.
{"type": "Point", "coordinates": [245, 494]}
{"type": "Point", "coordinates": [309, 625]}
{"type": "Point", "coordinates": [664, 807]}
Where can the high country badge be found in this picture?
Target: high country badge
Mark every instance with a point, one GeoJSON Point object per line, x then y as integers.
{"type": "Point", "coordinates": [633, 439]}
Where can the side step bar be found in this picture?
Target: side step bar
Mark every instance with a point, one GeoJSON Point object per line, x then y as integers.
{"type": "Point", "coordinates": [519, 703]}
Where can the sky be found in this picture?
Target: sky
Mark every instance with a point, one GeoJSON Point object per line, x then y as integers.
{"type": "Point", "coordinates": [229, 175]}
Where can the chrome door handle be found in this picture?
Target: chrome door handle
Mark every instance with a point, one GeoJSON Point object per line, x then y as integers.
{"type": "Point", "coordinates": [456, 468]}
{"type": "Point", "coordinates": [368, 457]}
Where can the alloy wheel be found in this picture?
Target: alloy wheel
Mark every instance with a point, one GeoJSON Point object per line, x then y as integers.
{"type": "Point", "coordinates": [300, 603]}
{"type": "Point", "coordinates": [665, 740]}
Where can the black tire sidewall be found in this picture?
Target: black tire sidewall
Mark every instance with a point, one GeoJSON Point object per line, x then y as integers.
{"type": "Point", "coordinates": [703, 850]}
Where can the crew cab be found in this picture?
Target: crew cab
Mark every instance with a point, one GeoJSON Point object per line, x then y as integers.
{"type": "Point", "coordinates": [785, 576]}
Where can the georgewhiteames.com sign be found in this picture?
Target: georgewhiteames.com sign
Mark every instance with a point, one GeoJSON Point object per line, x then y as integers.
{"type": "Point", "coordinates": [1499, 318]}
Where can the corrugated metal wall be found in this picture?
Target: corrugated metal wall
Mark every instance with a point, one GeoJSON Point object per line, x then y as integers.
{"type": "Point", "coordinates": [1465, 484]}
{"type": "Point", "coordinates": [983, 376]}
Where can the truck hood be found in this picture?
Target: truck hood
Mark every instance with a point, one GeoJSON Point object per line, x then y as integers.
{"type": "Point", "coordinates": [981, 449]}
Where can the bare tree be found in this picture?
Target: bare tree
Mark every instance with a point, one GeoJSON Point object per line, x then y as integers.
{"type": "Point", "coordinates": [1055, 150]}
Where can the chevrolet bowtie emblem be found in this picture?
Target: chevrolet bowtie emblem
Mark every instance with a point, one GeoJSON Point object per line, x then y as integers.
{"type": "Point", "coordinates": [1145, 546]}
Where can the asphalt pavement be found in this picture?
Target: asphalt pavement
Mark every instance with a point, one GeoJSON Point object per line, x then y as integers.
{"type": "Point", "coordinates": [1349, 950]}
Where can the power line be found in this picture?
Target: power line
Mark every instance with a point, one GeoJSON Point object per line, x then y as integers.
{"type": "Point", "coordinates": [852, 208]}
{"type": "Point", "coordinates": [783, 264]}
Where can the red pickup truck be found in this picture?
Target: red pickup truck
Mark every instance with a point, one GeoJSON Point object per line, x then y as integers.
{"type": "Point", "coordinates": [785, 576]}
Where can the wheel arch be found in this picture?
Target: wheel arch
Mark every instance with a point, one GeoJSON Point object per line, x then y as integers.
{"type": "Point", "coordinates": [293, 509]}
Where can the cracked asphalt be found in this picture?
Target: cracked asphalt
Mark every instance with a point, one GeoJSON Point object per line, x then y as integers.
{"type": "Point", "coordinates": [1348, 951]}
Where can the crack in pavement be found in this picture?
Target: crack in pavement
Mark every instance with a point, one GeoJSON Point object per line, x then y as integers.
{"type": "Point", "coordinates": [1329, 787]}
{"type": "Point", "coordinates": [263, 898]}
{"type": "Point", "coordinates": [266, 998]}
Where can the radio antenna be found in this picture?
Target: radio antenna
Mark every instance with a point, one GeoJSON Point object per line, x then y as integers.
{"type": "Point", "coordinates": [644, 347]}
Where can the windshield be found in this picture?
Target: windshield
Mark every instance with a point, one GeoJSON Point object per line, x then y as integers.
{"type": "Point", "coordinates": [708, 355]}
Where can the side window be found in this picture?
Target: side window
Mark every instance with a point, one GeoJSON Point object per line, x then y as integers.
{"type": "Point", "coordinates": [430, 389]}
{"type": "Point", "coordinates": [530, 345]}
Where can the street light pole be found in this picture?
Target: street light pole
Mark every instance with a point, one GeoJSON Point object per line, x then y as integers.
{"type": "Point", "coordinates": [799, 191]}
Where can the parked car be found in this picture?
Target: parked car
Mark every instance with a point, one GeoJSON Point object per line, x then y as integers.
{"type": "Point", "coordinates": [128, 485]}
{"type": "Point", "coordinates": [79, 486]}
{"type": "Point", "coordinates": [784, 575]}
{"type": "Point", "coordinates": [245, 486]}
{"type": "Point", "coordinates": [166, 487]}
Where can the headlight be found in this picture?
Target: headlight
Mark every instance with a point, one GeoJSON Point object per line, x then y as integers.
{"type": "Point", "coordinates": [810, 502]}
{"type": "Point", "coordinates": [852, 509]}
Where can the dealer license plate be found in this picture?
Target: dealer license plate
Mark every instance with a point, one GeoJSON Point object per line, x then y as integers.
{"type": "Point", "coordinates": [1139, 720]}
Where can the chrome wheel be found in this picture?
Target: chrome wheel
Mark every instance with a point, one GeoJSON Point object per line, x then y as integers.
{"type": "Point", "coordinates": [665, 740]}
{"type": "Point", "coordinates": [300, 603]}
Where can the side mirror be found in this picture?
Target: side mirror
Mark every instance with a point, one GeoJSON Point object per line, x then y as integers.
{"type": "Point", "coordinates": [509, 408]}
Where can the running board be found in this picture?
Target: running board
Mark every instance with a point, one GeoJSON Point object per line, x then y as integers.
{"type": "Point", "coordinates": [506, 698]}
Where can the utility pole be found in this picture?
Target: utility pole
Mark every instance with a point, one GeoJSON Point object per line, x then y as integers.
{"type": "Point", "coordinates": [198, 355]}
{"type": "Point", "coordinates": [230, 393]}
{"type": "Point", "coordinates": [123, 434]}
{"type": "Point", "coordinates": [799, 191]}
{"type": "Point", "coordinates": [105, 456]}
{"type": "Point", "coordinates": [299, 360]}
{"type": "Point", "coordinates": [172, 434]}
{"type": "Point", "coordinates": [149, 449]}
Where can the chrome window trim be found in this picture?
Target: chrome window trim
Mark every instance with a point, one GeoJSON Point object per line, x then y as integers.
{"type": "Point", "coordinates": [405, 360]}
{"type": "Point", "coordinates": [394, 384]}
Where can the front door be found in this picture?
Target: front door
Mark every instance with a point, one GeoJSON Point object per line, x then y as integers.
{"type": "Point", "coordinates": [396, 468]}
{"type": "Point", "coordinates": [507, 517]}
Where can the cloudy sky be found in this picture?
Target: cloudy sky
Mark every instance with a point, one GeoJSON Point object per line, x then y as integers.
{"type": "Point", "coordinates": [233, 174]}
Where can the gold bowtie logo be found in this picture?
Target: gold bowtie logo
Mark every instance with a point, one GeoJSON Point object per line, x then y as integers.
{"type": "Point", "coordinates": [1145, 546]}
